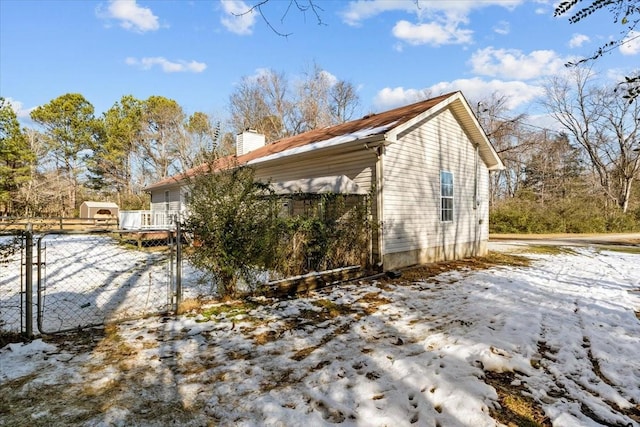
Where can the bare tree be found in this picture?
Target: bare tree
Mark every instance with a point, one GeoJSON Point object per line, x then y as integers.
{"type": "Point", "coordinates": [604, 126]}
{"type": "Point", "coordinates": [302, 6]}
{"type": "Point", "coordinates": [511, 142]}
{"type": "Point", "coordinates": [313, 100]}
{"type": "Point", "coordinates": [271, 106]}
{"type": "Point", "coordinates": [344, 101]}
{"type": "Point", "coordinates": [261, 104]}
{"type": "Point", "coordinates": [624, 12]}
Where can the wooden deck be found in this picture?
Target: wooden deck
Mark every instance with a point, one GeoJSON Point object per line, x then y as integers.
{"type": "Point", "coordinates": [144, 238]}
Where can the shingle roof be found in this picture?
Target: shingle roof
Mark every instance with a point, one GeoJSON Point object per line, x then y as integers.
{"type": "Point", "coordinates": [378, 123]}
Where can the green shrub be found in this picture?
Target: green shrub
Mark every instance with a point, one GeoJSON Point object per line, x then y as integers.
{"type": "Point", "coordinates": [230, 220]}
{"type": "Point", "coordinates": [519, 215]}
{"type": "Point", "coordinates": [239, 230]}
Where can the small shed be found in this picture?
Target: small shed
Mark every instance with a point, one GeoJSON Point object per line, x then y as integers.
{"type": "Point", "coordinates": [99, 210]}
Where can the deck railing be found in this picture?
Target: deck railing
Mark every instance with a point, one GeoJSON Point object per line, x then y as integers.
{"type": "Point", "coordinates": [148, 220]}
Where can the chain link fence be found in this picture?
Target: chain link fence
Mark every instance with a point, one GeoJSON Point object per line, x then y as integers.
{"type": "Point", "coordinates": [61, 281]}
{"type": "Point", "coordinates": [11, 281]}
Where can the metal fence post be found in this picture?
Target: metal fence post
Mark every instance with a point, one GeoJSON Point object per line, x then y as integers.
{"type": "Point", "coordinates": [29, 281]}
{"type": "Point", "coordinates": [178, 264]}
{"type": "Point", "coordinates": [39, 284]}
{"type": "Point", "coordinates": [171, 241]}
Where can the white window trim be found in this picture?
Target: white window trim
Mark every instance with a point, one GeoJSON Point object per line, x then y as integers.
{"type": "Point", "coordinates": [443, 197]}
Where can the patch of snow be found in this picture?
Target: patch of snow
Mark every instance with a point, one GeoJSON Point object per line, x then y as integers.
{"type": "Point", "coordinates": [331, 142]}
{"type": "Point", "coordinates": [565, 328]}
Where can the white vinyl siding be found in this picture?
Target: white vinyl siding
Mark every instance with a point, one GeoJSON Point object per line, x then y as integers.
{"type": "Point", "coordinates": [166, 200]}
{"type": "Point", "coordinates": [412, 193]}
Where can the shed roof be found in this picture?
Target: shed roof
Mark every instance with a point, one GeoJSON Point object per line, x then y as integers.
{"type": "Point", "coordinates": [100, 204]}
{"type": "Point", "coordinates": [371, 125]}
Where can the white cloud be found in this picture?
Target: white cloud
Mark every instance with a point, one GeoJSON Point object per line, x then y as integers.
{"type": "Point", "coordinates": [514, 64]}
{"type": "Point", "coordinates": [431, 33]}
{"type": "Point", "coordinates": [18, 108]}
{"type": "Point", "coordinates": [517, 93]}
{"type": "Point", "coordinates": [631, 44]}
{"type": "Point", "coordinates": [547, 7]}
{"type": "Point", "coordinates": [329, 78]}
{"type": "Point", "coordinates": [394, 97]}
{"type": "Point", "coordinates": [131, 16]}
{"type": "Point", "coordinates": [578, 40]}
{"type": "Point", "coordinates": [360, 10]}
{"type": "Point", "coordinates": [502, 28]}
{"type": "Point", "coordinates": [166, 65]}
{"type": "Point", "coordinates": [237, 19]}
{"type": "Point", "coordinates": [438, 22]}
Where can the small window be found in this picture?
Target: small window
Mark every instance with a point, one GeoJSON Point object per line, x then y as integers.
{"type": "Point", "coordinates": [166, 200]}
{"type": "Point", "coordinates": [446, 196]}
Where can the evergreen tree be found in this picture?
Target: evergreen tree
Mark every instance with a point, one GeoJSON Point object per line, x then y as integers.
{"type": "Point", "coordinates": [110, 164]}
{"type": "Point", "coordinates": [15, 157]}
{"type": "Point", "coordinates": [70, 130]}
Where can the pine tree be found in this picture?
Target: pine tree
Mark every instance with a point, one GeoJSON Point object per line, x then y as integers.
{"type": "Point", "coordinates": [15, 157]}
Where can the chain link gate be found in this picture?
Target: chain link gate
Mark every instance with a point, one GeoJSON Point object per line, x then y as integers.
{"type": "Point", "coordinates": [87, 280]}
{"type": "Point", "coordinates": [12, 282]}
{"type": "Point", "coordinates": [66, 281]}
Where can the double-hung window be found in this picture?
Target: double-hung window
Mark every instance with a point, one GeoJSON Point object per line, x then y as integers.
{"type": "Point", "coordinates": [446, 196]}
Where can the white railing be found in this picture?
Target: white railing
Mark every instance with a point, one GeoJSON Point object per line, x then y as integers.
{"type": "Point", "coordinates": [148, 220]}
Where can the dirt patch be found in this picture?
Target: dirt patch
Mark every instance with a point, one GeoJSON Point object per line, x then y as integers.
{"type": "Point", "coordinates": [10, 337]}
{"type": "Point", "coordinates": [340, 330]}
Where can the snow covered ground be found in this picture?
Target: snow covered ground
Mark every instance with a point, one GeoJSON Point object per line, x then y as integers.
{"type": "Point", "coordinates": [564, 331]}
{"type": "Point", "coordinates": [88, 278]}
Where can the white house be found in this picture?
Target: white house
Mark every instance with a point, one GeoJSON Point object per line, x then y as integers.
{"type": "Point", "coordinates": [426, 164]}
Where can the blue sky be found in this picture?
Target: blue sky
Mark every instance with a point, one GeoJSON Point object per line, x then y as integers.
{"type": "Point", "coordinates": [196, 51]}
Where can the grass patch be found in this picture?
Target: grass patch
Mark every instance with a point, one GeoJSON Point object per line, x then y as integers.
{"type": "Point", "coordinates": [371, 301]}
{"type": "Point", "coordinates": [515, 409]}
{"type": "Point", "coordinates": [266, 337]}
{"type": "Point", "coordinates": [331, 309]}
{"type": "Point", "coordinates": [501, 258]}
{"type": "Point", "coordinates": [492, 259]}
{"type": "Point", "coordinates": [633, 250]}
{"type": "Point", "coordinates": [229, 310]}
{"type": "Point", "coordinates": [548, 250]}
{"type": "Point", "coordinates": [188, 305]}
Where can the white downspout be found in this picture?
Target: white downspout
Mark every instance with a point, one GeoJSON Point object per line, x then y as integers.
{"type": "Point", "coordinates": [476, 203]}
{"type": "Point", "coordinates": [380, 202]}
{"type": "Point", "coordinates": [379, 150]}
